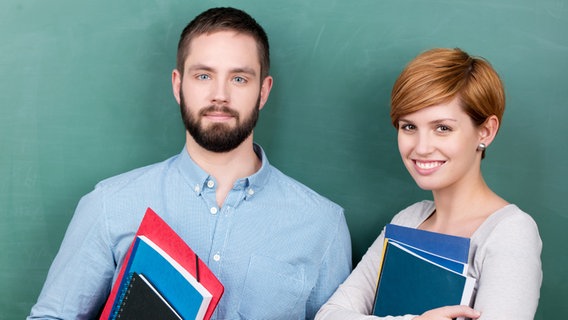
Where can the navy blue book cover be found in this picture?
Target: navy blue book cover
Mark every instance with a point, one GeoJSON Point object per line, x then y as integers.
{"type": "Point", "coordinates": [411, 285]}
{"type": "Point", "coordinates": [420, 271]}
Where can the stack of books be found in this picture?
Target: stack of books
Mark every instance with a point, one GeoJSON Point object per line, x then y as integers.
{"type": "Point", "coordinates": [421, 270]}
{"type": "Point", "coordinates": [162, 278]}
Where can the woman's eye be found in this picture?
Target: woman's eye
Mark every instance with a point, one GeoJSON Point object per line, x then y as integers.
{"type": "Point", "coordinates": [443, 128]}
{"type": "Point", "coordinates": [407, 127]}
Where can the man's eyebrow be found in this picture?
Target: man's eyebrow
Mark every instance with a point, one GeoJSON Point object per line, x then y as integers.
{"type": "Point", "coordinates": [203, 67]}
{"type": "Point", "coordinates": [196, 67]}
{"type": "Point", "coordinates": [246, 70]}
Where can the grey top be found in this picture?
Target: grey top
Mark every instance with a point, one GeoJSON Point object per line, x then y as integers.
{"type": "Point", "coordinates": [504, 258]}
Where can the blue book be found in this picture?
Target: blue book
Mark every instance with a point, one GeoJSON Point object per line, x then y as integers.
{"type": "Point", "coordinates": [451, 247]}
{"type": "Point", "coordinates": [451, 264]}
{"type": "Point", "coordinates": [420, 271]}
{"type": "Point", "coordinates": [178, 287]}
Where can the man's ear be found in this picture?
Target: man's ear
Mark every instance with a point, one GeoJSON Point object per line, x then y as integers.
{"type": "Point", "coordinates": [176, 84]}
{"type": "Point", "coordinates": [265, 91]}
{"type": "Point", "coordinates": [488, 130]}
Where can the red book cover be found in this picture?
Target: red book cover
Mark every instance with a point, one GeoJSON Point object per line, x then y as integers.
{"type": "Point", "coordinates": [159, 232]}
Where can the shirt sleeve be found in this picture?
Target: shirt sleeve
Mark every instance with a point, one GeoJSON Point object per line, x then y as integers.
{"type": "Point", "coordinates": [335, 267]}
{"type": "Point", "coordinates": [80, 276]}
{"type": "Point", "coordinates": [510, 270]}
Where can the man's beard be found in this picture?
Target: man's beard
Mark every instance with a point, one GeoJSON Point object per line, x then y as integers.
{"type": "Point", "coordinates": [218, 137]}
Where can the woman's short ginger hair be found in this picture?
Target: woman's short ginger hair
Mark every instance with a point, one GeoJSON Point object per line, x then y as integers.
{"type": "Point", "coordinates": [439, 75]}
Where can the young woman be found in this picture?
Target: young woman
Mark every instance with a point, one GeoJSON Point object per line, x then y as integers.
{"type": "Point", "coordinates": [447, 107]}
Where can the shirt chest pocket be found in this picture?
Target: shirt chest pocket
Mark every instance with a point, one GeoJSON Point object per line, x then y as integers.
{"type": "Point", "coordinates": [272, 290]}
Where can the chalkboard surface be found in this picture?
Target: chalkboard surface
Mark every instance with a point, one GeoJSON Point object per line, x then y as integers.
{"type": "Point", "coordinates": [85, 94]}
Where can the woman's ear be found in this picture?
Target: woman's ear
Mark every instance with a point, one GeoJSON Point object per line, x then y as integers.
{"type": "Point", "coordinates": [488, 130]}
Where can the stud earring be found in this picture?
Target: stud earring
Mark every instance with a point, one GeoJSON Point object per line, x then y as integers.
{"type": "Point", "coordinates": [481, 147]}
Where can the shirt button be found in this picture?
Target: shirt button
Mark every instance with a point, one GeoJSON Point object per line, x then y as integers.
{"type": "Point", "coordinates": [196, 188]}
{"type": "Point", "coordinates": [250, 192]}
{"type": "Point", "coordinates": [210, 183]}
{"type": "Point", "coordinates": [213, 210]}
{"type": "Point", "coordinates": [216, 257]}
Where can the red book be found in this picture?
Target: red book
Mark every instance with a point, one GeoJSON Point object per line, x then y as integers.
{"type": "Point", "coordinates": [160, 233]}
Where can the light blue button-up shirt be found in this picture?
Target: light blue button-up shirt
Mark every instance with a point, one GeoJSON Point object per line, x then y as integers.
{"type": "Point", "coordinates": [279, 248]}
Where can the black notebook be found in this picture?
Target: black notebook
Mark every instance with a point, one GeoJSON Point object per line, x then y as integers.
{"type": "Point", "coordinates": [141, 301]}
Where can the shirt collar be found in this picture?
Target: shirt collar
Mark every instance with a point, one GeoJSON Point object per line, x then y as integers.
{"type": "Point", "coordinates": [198, 179]}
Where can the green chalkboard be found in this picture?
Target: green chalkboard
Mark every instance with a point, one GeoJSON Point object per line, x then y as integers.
{"type": "Point", "coordinates": [85, 94]}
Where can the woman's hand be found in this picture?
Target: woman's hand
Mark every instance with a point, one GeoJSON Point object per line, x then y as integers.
{"type": "Point", "coordinates": [449, 313]}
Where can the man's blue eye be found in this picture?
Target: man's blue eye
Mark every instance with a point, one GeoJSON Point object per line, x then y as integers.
{"type": "Point", "coordinates": [240, 80]}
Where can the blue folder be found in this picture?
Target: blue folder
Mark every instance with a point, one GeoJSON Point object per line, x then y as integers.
{"type": "Point", "coordinates": [180, 293]}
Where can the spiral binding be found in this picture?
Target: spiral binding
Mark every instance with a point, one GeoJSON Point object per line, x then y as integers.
{"type": "Point", "coordinates": [125, 291]}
